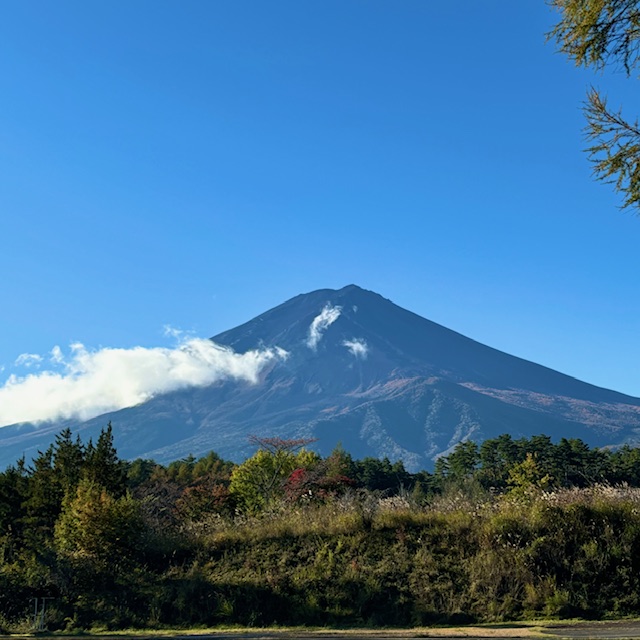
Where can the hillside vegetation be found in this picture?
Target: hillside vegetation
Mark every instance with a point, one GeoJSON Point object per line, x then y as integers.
{"type": "Point", "coordinates": [508, 530]}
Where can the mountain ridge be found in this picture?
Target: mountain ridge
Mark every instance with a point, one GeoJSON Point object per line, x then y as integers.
{"type": "Point", "coordinates": [366, 372]}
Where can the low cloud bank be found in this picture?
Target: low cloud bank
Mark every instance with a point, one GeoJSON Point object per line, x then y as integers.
{"type": "Point", "coordinates": [321, 323]}
{"type": "Point", "coordinates": [94, 382]}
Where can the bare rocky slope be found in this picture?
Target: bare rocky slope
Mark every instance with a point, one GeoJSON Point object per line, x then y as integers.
{"type": "Point", "coordinates": [373, 376]}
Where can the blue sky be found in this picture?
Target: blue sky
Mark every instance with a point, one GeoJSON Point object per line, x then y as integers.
{"type": "Point", "coordinates": [193, 164]}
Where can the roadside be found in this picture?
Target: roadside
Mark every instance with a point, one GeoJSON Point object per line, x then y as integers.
{"type": "Point", "coordinates": [607, 630]}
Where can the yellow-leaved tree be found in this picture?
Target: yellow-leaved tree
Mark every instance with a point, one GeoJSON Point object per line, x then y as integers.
{"type": "Point", "coordinates": [258, 483]}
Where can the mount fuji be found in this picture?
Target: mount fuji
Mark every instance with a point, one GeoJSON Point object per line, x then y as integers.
{"type": "Point", "coordinates": [359, 370]}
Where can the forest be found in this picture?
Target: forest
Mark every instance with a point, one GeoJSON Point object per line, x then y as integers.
{"type": "Point", "coordinates": [505, 530]}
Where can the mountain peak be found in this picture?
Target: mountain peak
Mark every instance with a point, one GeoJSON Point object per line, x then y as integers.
{"type": "Point", "coordinates": [354, 289]}
{"type": "Point", "coordinates": [363, 371]}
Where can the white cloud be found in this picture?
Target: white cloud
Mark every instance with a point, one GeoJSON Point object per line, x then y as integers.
{"type": "Point", "coordinates": [321, 323]}
{"type": "Point", "coordinates": [28, 359]}
{"type": "Point", "coordinates": [56, 355]}
{"type": "Point", "coordinates": [94, 382]}
{"type": "Point", "coordinates": [357, 347]}
{"type": "Point", "coordinates": [172, 332]}
{"type": "Point", "coordinates": [179, 335]}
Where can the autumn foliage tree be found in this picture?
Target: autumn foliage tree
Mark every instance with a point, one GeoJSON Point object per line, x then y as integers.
{"type": "Point", "coordinates": [597, 34]}
{"type": "Point", "coordinates": [259, 482]}
{"type": "Point", "coordinates": [99, 529]}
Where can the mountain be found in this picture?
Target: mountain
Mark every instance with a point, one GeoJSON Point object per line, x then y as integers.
{"type": "Point", "coordinates": [364, 372]}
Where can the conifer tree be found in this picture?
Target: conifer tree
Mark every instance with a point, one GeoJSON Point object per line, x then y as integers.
{"type": "Point", "coordinates": [68, 460]}
{"type": "Point", "coordinates": [44, 498]}
{"type": "Point", "coordinates": [103, 467]}
{"type": "Point", "coordinates": [600, 33]}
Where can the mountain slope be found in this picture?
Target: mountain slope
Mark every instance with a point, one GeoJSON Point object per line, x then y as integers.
{"type": "Point", "coordinates": [365, 372]}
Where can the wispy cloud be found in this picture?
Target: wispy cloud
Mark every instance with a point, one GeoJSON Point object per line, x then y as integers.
{"type": "Point", "coordinates": [321, 323]}
{"type": "Point", "coordinates": [172, 332]}
{"type": "Point", "coordinates": [28, 359]}
{"type": "Point", "coordinates": [91, 382]}
{"type": "Point", "coordinates": [358, 347]}
{"type": "Point", "coordinates": [180, 335]}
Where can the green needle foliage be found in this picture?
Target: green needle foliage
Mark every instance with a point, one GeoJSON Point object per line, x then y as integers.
{"type": "Point", "coordinates": [615, 152]}
{"type": "Point", "coordinates": [599, 33]}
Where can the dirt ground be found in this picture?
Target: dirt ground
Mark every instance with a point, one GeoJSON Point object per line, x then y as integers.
{"type": "Point", "coordinates": [617, 630]}
{"type": "Point", "coordinates": [575, 630]}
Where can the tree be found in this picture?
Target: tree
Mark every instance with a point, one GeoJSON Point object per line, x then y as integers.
{"type": "Point", "coordinates": [68, 460]}
{"type": "Point", "coordinates": [326, 479]}
{"type": "Point", "coordinates": [139, 471]}
{"type": "Point", "coordinates": [576, 465]}
{"type": "Point", "coordinates": [526, 477]}
{"type": "Point", "coordinates": [259, 481]}
{"type": "Point", "coordinates": [496, 456]}
{"type": "Point", "coordinates": [598, 33]}
{"type": "Point", "coordinates": [625, 463]}
{"type": "Point", "coordinates": [191, 469]}
{"type": "Point", "coordinates": [13, 492]}
{"type": "Point", "coordinates": [103, 466]}
{"type": "Point", "coordinates": [44, 498]}
{"type": "Point", "coordinates": [463, 460]}
{"type": "Point", "coordinates": [339, 463]}
{"type": "Point", "coordinates": [99, 529]}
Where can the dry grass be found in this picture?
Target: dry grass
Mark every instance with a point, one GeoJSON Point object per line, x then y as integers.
{"type": "Point", "coordinates": [520, 630]}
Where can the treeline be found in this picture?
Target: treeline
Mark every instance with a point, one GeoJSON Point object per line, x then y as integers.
{"type": "Point", "coordinates": [504, 530]}
{"type": "Point", "coordinates": [502, 462]}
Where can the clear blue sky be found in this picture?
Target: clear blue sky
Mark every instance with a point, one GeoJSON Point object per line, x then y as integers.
{"type": "Point", "coordinates": [195, 163]}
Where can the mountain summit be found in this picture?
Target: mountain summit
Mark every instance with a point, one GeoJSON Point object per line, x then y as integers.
{"type": "Point", "coordinates": [358, 369]}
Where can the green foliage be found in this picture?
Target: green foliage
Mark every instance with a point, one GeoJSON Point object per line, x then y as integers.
{"type": "Point", "coordinates": [258, 483]}
{"type": "Point", "coordinates": [102, 465]}
{"type": "Point", "coordinates": [43, 497]}
{"type": "Point", "coordinates": [190, 469]}
{"type": "Point", "coordinates": [527, 476]}
{"type": "Point", "coordinates": [599, 33]}
{"type": "Point", "coordinates": [139, 471]}
{"type": "Point", "coordinates": [374, 474]}
{"type": "Point", "coordinates": [99, 529]}
{"type": "Point", "coordinates": [462, 462]}
{"type": "Point", "coordinates": [13, 493]}
{"type": "Point", "coordinates": [615, 147]}
{"type": "Point", "coordinates": [569, 463]}
{"type": "Point", "coordinates": [625, 466]}
{"type": "Point", "coordinates": [68, 461]}
{"type": "Point", "coordinates": [510, 529]}
{"type": "Point", "coordinates": [495, 457]}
